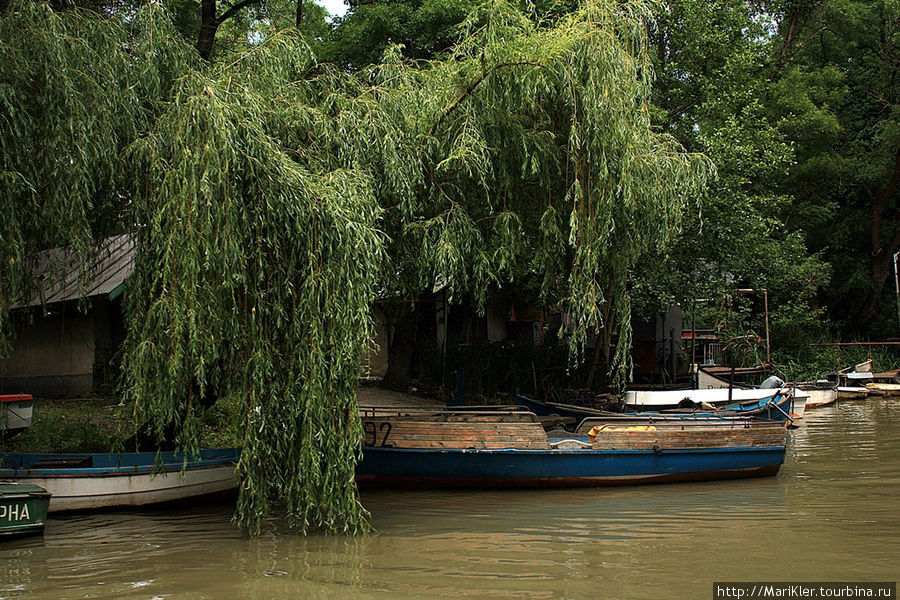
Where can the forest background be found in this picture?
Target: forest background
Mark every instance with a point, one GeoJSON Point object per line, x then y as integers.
{"type": "Point", "coordinates": [280, 170]}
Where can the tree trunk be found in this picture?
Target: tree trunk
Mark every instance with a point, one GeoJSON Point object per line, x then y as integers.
{"type": "Point", "coordinates": [401, 351]}
{"type": "Point", "coordinates": [299, 13]}
{"type": "Point", "coordinates": [882, 254]}
{"type": "Point", "coordinates": [208, 27]}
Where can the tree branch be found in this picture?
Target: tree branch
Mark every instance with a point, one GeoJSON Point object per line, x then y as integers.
{"type": "Point", "coordinates": [471, 88]}
{"type": "Point", "coordinates": [234, 10]}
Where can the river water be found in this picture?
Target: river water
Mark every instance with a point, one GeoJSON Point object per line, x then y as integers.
{"type": "Point", "coordinates": [831, 514]}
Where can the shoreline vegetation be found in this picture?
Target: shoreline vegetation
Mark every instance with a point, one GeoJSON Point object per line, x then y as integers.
{"type": "Point", "coordinates": [105, 424]}
{"type": "Point", "coordinates": [101, 424]}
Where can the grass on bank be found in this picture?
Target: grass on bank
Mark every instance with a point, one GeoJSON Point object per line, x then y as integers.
{"type": "Point", "coordinates": [102, 425]}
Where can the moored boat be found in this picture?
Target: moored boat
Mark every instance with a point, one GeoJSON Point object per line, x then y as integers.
{"type": "Point", "coordinates": [798, 406]}
{"type": "Point", "coordinates": [819, 394]}
{"type": "Point", "coordinates": [885, 389]}
{"type": "Point", "coordinates": [852, 392]}
{"type": "Point", "coordinates": [23, 508]}
{"type": "Point", "coordinates": [88, 481]}
{"type": "Point", "coordinates": [511, 449]}
{"type": "Point", "coordinates": [719, 378]}
{"type": "Point", "coordinates": [776, 406]}
{"type": "Point", "coordinates": [542, 408]}
{"type": "Point", "coordinates": [711, 397]}
{"type": "Point", "coordinates": [714, 377]}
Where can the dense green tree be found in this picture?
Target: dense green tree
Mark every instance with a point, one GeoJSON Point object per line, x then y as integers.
{"type": "Point", "coordinates": [715, 71]}
{"type": "Point", "coordinates": [75, 90]}
{"type": "Point", "coordinates": [258, 255]}
{"type": "Point", "coordinates": [837, 100]}
{"type": "Point", "coordinates": [233, 27]}
{"type": "Point", "coordinates": [424, 28]}
{"type": "Point", "coordinates": [569, 184]}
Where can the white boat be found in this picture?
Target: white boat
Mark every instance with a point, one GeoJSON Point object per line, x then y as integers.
{"type": "Point", "coordinates": [15, 412]}
{"type": "Point", "coordinates": [798, 408]}
{"type": "Point", "coordinates": [857, 376]}
{"type": "Point", "coordinates": [885, 389]}
{"type": "Point", "coordinates": [88, 481]}
{"type": "Point", "coordinates": [819, 395]}
{"type": "Point", "coordinates": [713, 377]}
{"type": "Point", "coordinates": [712, 397]}
{"type": "Point", "coordinates": [710, 381]}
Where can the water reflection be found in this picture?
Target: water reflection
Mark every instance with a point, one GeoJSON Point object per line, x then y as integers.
{"type": "Point", "coordinates": [829, 515]}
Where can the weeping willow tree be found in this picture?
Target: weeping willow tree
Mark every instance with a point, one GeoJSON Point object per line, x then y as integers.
{"type": "Point", "coordinates": [258, 257]}
{"type": "Point", "coordinates": [539, 161]}
{"type": "Point", "coordinates": [271, 198]}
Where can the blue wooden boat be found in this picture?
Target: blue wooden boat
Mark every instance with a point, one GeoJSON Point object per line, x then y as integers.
{"type": "Point", "coordinates": [88, 480]}
{"type": "Point", "coordinates": [484, 450]}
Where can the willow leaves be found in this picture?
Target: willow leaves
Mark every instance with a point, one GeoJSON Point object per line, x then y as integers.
{"type": "Point", "coordinates": [75, 90]}
{"type": "Point", "coordinates": [258, 256]}
{"type": "Point", "coordinates": [540, 162]}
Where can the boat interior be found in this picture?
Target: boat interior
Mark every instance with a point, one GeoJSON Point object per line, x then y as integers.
{"type": "Point", "coordinates": [519, 428]}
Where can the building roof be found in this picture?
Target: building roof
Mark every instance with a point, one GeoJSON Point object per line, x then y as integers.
{"type": "Point", "coordinates": [57, 272]}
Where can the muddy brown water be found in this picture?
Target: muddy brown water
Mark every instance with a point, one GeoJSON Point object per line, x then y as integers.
{"type": "Point", "coordinates": [832, 514]}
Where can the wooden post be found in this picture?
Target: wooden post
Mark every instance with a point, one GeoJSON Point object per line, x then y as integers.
{"type": "Point", "coordinates": [768, 347]}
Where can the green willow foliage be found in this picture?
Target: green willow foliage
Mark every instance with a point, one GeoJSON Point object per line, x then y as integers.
{"type": "Point", "coordinates": [257, 264]}
{"type": "Point", "coordinates": [75, 89]}
{"type": "Point", "coordinates": [272, 198]}
{"type": "Point", "coordinates": [539, 161]}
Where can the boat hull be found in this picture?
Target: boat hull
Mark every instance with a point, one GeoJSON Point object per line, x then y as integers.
{"type": "Point", "coordinates": [504, 468]}
{"type": "Point", "coordinates": [717, 397]}
{"type": "Point", "coordinates": [798, 407]}
{"type": "Point", "coordinates": [801, 400]}
{"type": "Point", "coordinates": [128, 479]}
{"type": "Point", "coordinates": [847, 392]}
{"type": "Point", "coordinates": [886, 389]}
{"type": "Point", "coordinates": [819, 397]}
{"type": "Point", "coordinates": [772, 406]}
{"type": "Point", "coordinates": [23, 509]}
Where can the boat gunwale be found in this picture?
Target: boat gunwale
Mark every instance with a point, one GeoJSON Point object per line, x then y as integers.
{"type": "Point", "coordinates": [577, 451]}
{"type": "Point", "coordinates": [22, 469]}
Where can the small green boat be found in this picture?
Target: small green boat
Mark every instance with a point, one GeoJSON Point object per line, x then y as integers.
{"type": "Point", "coordinates": [23, 508]}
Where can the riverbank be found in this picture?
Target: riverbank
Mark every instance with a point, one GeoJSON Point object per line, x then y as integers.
{"type": "Point", "coordinates": [99, 424]}
{"type": "Point", "coordinates": [73, 425]}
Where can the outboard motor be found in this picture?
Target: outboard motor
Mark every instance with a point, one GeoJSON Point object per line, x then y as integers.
{"type": "Point", "coordinates": [772, 383]}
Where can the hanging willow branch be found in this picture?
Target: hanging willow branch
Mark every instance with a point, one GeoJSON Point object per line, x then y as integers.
{"type": "Point", "coordinates": [258, 254]}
